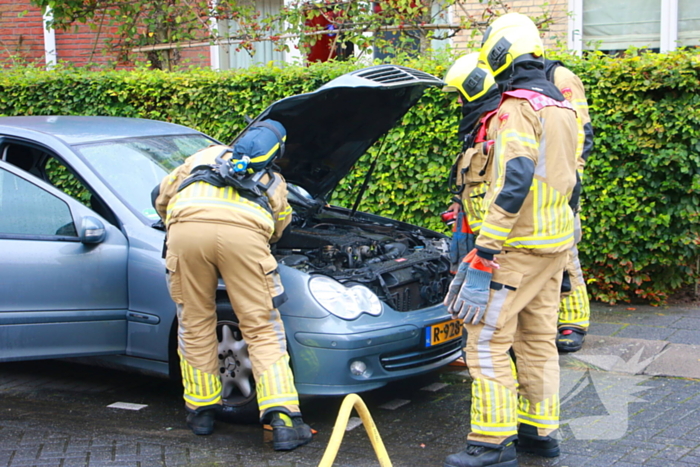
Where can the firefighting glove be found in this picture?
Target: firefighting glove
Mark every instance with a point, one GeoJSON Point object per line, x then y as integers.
{"type": "Point", "coordinates": [458, 280]}
{"type": "Point", "coordinates": [470, 304]}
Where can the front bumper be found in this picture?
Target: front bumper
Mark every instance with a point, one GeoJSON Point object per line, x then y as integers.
{"type": "Point", "coordinates": [321, 360]}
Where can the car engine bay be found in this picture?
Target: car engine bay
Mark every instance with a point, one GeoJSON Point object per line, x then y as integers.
{"type": "Point", "coordinates": [404, 265]}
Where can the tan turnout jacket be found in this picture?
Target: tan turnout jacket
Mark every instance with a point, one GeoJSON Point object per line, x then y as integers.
{"type": "Point", "coordinates": [202, 202]}
{"type": "Point", "coordinates": [533, 178]}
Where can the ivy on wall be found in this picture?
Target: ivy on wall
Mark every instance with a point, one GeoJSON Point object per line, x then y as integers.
{"type": "Point", "coordinates": [641, 187]}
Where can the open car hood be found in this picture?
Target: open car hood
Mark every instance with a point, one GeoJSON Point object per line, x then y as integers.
{"type": "Point", "coordinates": [329, 129]}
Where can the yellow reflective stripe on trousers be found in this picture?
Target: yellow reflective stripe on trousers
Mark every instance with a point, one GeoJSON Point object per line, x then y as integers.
{"type": "Point", "coordinates": [544, 414]}
{"type": "Point", "coordinates": [494, 409]}
{"type": "Point", "coordinates": [514, 371]}
{"type": "Point", "coordinates": [276, 386]}
{"type": "Point", "coordinates": [575, 308]}
{"type": "Point", "coordinates": [200, 388]}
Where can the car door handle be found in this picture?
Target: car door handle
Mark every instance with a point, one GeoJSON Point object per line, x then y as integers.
{"type": "Point", "coordinates": [142, 317]}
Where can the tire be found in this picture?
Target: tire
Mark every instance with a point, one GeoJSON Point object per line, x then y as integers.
{"type": "Point", "coordinates": [239, 396]}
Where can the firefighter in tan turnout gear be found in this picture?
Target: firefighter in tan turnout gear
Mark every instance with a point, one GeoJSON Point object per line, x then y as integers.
{"type": "Point", "coordinates": [478, 96]}
{"type": "Point", "coordinates": [222, 208]}
{"type": "Point", "coordinates": [507, 289]}
{"type": "Point", "coordinates": [574, 308]}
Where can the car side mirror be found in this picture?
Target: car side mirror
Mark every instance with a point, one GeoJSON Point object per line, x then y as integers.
{"type": "Point", "coordinates": [92, 230]}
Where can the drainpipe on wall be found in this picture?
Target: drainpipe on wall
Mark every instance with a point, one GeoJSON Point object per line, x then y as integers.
{"type": "Point", "coordinates": [49, 40]}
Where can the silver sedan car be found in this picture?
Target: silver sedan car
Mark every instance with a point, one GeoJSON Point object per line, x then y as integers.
{"type": "Point", "coordinates": [81, 268]}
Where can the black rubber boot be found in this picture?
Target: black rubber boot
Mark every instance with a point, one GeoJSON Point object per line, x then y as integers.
{"type": "Point", "coordinates": [288, 432]}
{"type": "Point", "coordinates": [530, 441]}
{"type": "Point", "coordinates": [201, 421]}
{"type": "Point", "coordinates": [478, 454]}
{"type": "Point", "coordinates": [570, 339]}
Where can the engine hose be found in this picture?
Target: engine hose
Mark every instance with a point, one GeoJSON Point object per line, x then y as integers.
{"type": "Point", "coordinates": [353, 401]}
{"type": "Point", "coordinates": [393, 250]}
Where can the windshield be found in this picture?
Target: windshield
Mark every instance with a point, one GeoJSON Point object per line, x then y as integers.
{"type": "Point", "coordinates": [133, 167]}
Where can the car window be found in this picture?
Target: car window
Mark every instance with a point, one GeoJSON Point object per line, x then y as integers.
{"type": "Point", "coordinates": [26, 209]}
{"type": "Point", "coordinates": [63, 179]}
{"type": "Point", "coordinates": [133, 167]}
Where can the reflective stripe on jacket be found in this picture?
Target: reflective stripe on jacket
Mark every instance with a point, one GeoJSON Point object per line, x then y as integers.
{"type": "Point", "coordinates": [472, 174]}
{"type": "Point", "coordinates": [202, 202]}
{"type": "Point", "coordinates": [533, 176]}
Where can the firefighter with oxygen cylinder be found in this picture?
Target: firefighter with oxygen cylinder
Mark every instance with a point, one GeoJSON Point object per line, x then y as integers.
{"type": "Point", "coordinates": [507, 289]}
{"type": "Point", "coordinates": [222, 208]}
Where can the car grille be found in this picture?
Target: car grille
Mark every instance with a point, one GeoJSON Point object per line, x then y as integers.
{"type": "Point", "coordinates": [414, 295]}
{"type": "Point", "coordinates": [421, 357]}
{"type": "Point", "coordinates": [392, 74]}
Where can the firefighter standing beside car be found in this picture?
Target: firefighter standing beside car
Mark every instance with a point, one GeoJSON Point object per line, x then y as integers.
{"type": "Point", "coordinates": [222, 208]}
{"type": "Point", "coordinates": [574, 308]}
{"type": "Point", "coordinates": [478, 95]}
{"type": "Point", "coordinates": [507, 289]}
{"type": "Point", "coordinates": [468, 178]}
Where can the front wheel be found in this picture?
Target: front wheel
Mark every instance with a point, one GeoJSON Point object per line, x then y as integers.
{"type": "Point", "coordinates": [240, 403]}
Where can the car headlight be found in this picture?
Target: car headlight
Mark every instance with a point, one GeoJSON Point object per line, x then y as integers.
{"type": "Point", "coordinates": [344, 302]}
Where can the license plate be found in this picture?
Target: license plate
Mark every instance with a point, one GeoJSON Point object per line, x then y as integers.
{"type": "Point", "coordinates": [443, 332]}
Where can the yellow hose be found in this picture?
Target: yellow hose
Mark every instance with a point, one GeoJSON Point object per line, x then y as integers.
{"type": "Point", "coordinates": [354, 401]}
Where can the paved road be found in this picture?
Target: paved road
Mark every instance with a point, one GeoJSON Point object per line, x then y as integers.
{"type": "Point", "coordinates": [55, 413]}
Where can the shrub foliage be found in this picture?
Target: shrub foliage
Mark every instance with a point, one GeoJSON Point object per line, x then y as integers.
{"type": "Point", "coordinates": [641, 195]}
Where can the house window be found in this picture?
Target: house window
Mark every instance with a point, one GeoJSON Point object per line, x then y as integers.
{"type": "Point", "coordinates": [688, 23]}
{"type": "Point", "coordinates": [615, 25]}
{"type": "Point", "coordinates": [229, 57]}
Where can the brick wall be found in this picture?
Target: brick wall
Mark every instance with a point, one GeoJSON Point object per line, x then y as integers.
{"type": "Point", "coordinates": [557, 9]}
{"type": "Point", "coordinates": [22, 36]}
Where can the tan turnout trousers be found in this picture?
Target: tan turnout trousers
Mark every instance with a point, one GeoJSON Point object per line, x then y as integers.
{"type": "Point", "coordinates": [574, 308]}
{"type": "Point", "coordinates": [521, 313]}
{"type": "Point", "coordinates": [198, 252]}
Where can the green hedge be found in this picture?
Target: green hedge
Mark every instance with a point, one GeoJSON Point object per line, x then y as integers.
{"type": "Point", "coordinates": [641, 185]}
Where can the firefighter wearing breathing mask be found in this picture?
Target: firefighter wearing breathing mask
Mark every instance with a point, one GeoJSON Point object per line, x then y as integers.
{"type": "Point", "coordinates": [478, 96]}
{"type": "Point", "coordinates": [222, 208]}
{"type": "Point", "coordinates": [507, 289]}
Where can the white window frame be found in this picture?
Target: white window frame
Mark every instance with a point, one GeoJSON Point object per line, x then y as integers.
{"type": "Point", "coordinates": [669, 26]}
{"type": "Point", "coordinates": [49, 40]}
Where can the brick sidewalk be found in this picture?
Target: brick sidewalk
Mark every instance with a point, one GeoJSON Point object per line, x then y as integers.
{"type": "Point", "coordinates": [623, 417]}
